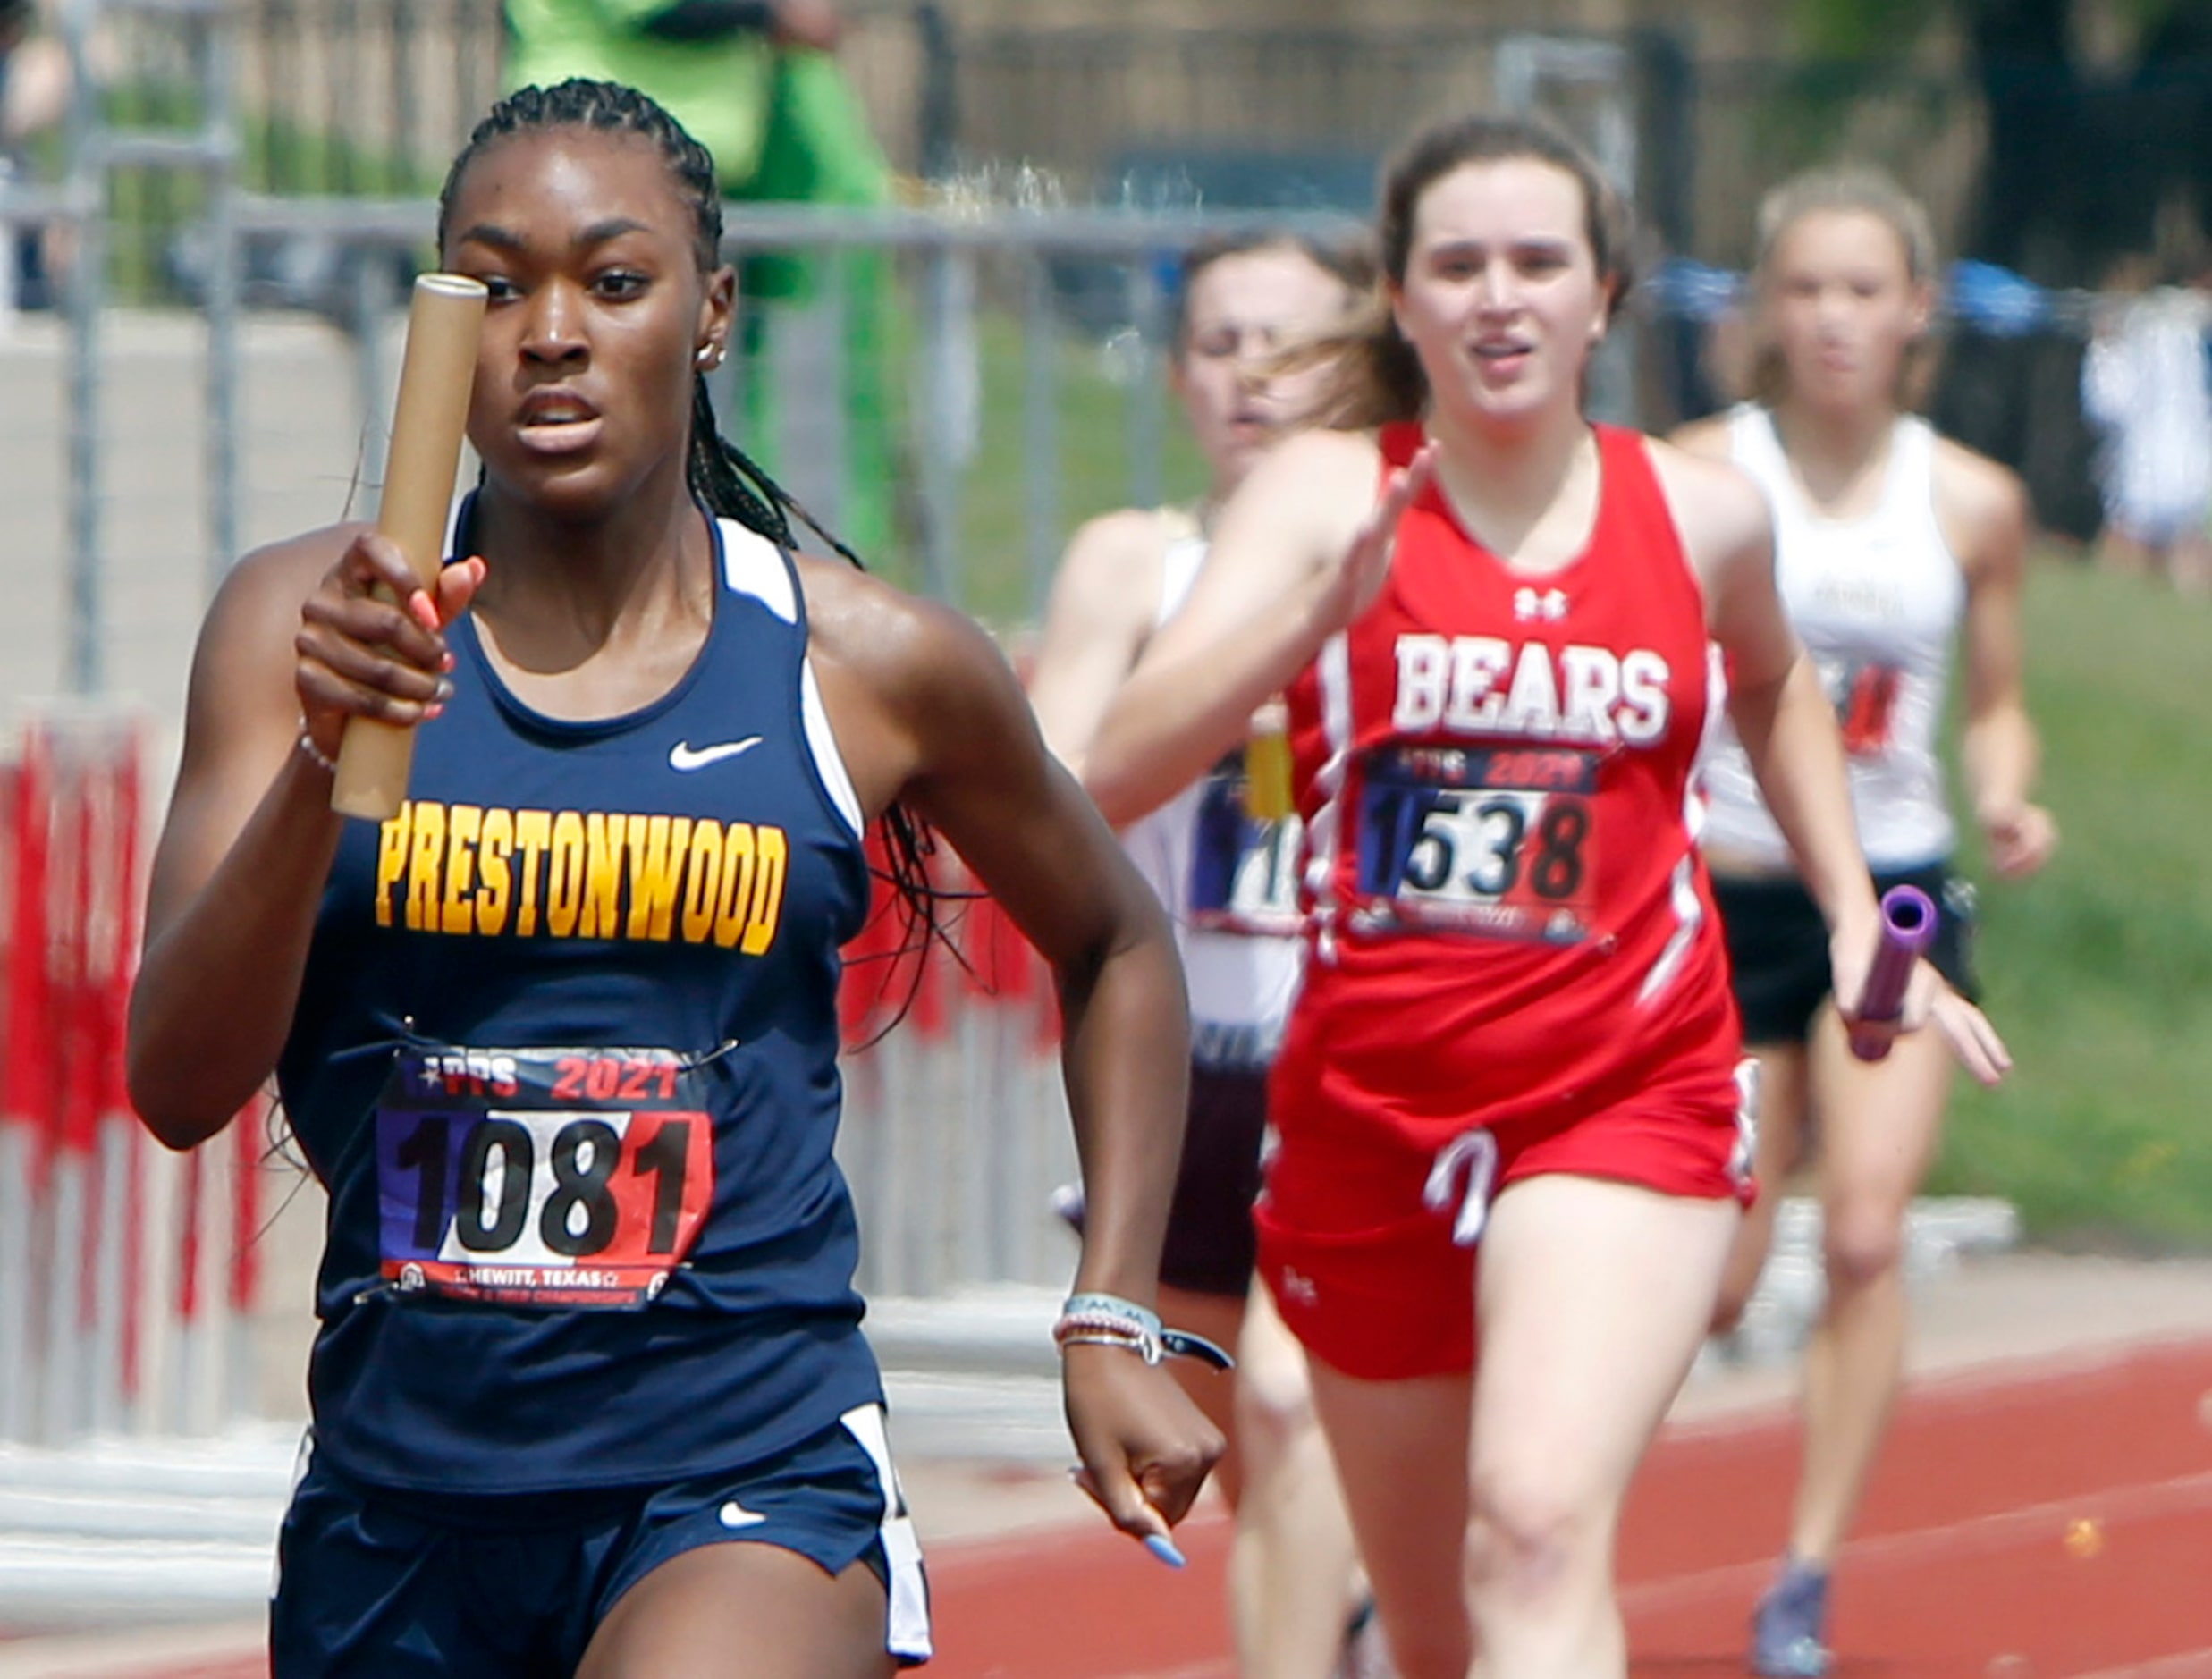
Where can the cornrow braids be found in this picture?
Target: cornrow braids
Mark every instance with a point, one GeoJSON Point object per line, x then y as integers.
{"type": "Point", "coordinates": [726, 481]}
{"type": "Point", "coordinates": [608, 108]}
{"type": "Point", "coordinates": [734, 485]}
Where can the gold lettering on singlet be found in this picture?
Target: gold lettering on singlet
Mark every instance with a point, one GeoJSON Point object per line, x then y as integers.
{"type": "Point", "coordinates": [474, 870]}
{"type": "Point", "coordinates": [533, 835]}
{"type": "Point", "coordinates": [458, 910]}
{"type": "Point", "coordinates": [654, 841]}
{"type": "Point", "coordinates": [422, 867]}
{"type": "Point", "coordinates": [603, 876]}
{"type": "Point", "coordinates": [564, 882]}
{"type": "Point", "coordinates": [495, 845]}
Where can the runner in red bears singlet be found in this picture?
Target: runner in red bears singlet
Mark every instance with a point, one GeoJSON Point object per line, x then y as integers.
{"type": "Point", "coordinates": [1514, 1035]}
{"type": "Point", "coordinates": [1503, 767]}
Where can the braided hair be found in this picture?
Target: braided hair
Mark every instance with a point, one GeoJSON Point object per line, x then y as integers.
{"type": "Point", "coordinates": [725, 480]}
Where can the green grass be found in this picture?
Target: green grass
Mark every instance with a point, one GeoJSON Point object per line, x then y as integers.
{"type": "Point", "coordinates": [2099, 972]}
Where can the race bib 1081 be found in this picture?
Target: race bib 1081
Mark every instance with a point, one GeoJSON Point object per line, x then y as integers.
{"type": "Point", "coordinates": [541, 1177]}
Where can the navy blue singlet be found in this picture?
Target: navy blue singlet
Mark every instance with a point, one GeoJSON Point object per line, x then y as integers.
{"type": "Point", "coordinates": [565, 1057]}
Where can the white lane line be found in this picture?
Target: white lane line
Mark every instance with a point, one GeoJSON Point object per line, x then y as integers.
{"type": "Point", "coordinates": [1978, 1535]}
{"type": "Point", "coordinates": [2187, 1664]}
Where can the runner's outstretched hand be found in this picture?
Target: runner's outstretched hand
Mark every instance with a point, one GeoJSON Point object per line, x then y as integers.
{"type": "Point", "coordinates": [1355, 585]}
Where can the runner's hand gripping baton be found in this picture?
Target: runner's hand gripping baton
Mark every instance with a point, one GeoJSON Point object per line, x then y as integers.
{"type": "Point", "coordinates": [427, 421]}
{"type": "Point", "coordinates": [1908, 929]}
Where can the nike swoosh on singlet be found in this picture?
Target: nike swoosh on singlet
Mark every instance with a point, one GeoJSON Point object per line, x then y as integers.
{"type": "Point", "coordinates": [684, 755]}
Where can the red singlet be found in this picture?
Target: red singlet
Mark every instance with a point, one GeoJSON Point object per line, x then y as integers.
{"type": "Point", "coordinates": [1516, 966]}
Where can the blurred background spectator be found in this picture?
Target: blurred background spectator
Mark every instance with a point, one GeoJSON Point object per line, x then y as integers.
{"type": "Point", "coordinates": [34, 99]}
{"type": "Point", "coordinates": [2147, 388]}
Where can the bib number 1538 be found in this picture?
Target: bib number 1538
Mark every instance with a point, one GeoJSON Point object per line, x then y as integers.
{"type": "Point", "coordinates": [1499, 841]}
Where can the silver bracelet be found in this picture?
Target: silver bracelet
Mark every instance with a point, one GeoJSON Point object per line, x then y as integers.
{"type": "Point", "coordinates": [314, 754]}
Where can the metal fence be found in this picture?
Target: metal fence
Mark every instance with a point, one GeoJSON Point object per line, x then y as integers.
{"type": "Point", "coordinates": [353, 99]}
{"type": "Point", "coordinates": [370, 98]}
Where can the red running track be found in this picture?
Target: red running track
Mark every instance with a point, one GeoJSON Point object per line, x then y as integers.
{"type": "Point", "coordinates": [2039, 1522]}
{"type": "Point", "coordinates": [2048, 1521]}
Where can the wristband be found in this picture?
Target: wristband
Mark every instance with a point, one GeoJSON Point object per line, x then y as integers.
{"type": "Point", "coordinates": [1110, 1321]}
{"type": "Point", "coordinates": [1112, 1306]}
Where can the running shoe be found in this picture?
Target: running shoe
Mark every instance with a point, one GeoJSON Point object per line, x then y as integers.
{"type": "Point", "coordinates": [1789, 1633]}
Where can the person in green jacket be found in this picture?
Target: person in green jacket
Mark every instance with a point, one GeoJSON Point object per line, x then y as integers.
{"type": "Point", "coordinates": [712, 63]}
{"type": "Point", "coordinates": [756, 82]}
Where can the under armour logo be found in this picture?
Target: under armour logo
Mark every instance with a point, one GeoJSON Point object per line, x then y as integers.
{"type": "Point", "coordinates": [1548, 604]}
{"type": "Point", "coordinates": [1299, 1287]}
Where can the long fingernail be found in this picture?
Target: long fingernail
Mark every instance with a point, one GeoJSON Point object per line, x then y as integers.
{"type": "Point", "coordinates": [445, 690]}
{"type": "Point", "coordinates": [446, 662]}
{"type": "Point", "coordinates": [431, 713]}
{"type": "Point", "coordinates": [1160, 1545]}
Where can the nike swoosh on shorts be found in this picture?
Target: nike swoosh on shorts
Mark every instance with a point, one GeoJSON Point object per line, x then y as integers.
{"type": "Point", "coordinates": [684, 755]}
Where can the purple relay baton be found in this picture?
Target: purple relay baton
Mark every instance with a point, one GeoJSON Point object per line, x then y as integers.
{"type": "Point", "coordinates": [1908, 929]}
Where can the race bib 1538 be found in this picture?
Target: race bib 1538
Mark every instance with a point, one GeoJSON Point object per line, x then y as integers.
{"type": "Point", "coordinates": [1499, 840]}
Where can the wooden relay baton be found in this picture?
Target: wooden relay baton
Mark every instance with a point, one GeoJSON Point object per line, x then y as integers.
{"type": "Point", "coordinates": [427, 421]}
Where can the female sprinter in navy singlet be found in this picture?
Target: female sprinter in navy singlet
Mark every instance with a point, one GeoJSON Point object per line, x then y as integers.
{"type": "Point", "coordinates": [1514, 1036]}
{"type": "Point", "coordinates": [589, 1392]}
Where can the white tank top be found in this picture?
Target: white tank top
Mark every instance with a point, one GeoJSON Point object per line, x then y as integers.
{"type": "Point", "coordinates": [1230, 883]}
{"type": "Point", "coordinates": [1877, 600]}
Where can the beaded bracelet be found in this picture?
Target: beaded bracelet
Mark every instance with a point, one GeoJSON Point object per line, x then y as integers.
{"type": "Point", "coordinates": [314, 754]}
{"type": "Point", "coordinates": [1110, 1321]}
{"type": "Point", "coordinates": [1113, 1306]}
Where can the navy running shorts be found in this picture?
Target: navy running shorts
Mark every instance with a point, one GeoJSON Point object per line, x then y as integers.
{"type": "Point", "coordinates": [398, 1584]}
{"type": "Point", "coordinates": [1210, 1248]}
{"type": "Point", "coordinates": [1777, 945]}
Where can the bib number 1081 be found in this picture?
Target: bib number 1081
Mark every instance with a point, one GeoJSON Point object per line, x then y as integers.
{"type": "Point", "coordinates": [561, 1179]}
{"type": "Point", "coordinates": [498, 1183]}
